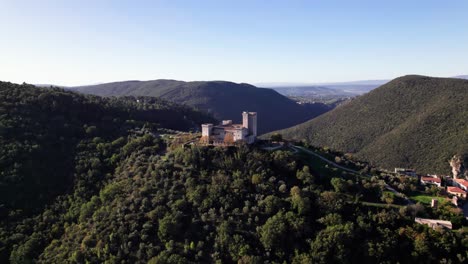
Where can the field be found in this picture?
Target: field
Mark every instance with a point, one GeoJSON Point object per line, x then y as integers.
{"type": "Point", "coordinates": [426, 199]}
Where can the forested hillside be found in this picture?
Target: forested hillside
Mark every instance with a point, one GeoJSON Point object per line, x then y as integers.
{"type": "Point", "coordinates": [412, 121]}
{"type": "Point", "coordinates": [45, 132]}
{"type": "Point", "coordinates": [225, 100]}
{"type": "Point", "coordinates": [106, 189]}
{"type": "Point", "coordinates": [230, 205]}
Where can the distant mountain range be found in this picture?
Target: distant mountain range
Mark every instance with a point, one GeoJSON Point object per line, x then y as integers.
{"type": "Point", "coordinates": [313, 91]}
{"type": "Point", "coordinates": [302, 84]}
{"type": "Point", "coordinates": [413, 121]}
{"type": "Point", "coordinates": [337, 89]}
{"type": "Point", "coordinates": [225, 100]}
{"type": "Point", "coordinates": [324, 91]}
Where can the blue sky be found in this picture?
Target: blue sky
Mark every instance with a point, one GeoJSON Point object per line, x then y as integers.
{"type": "Point", "coordinates": [84, 42]}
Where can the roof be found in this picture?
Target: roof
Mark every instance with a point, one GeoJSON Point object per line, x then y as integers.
{"type": "Point", "coordinates": [462, 182]}
{"type": "Point", "coordinates": [431, 179]}
{"type": "Point", "coordinates": [453, 189]}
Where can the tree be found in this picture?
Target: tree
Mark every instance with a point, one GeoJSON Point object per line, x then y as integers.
{"type": "Point", "coordinates": [223, 235]}
{"type": "Point", "coordinates": [339, 185]}
{"type": "Point", "coordinates": [229, 139]}
{"type": "Point", "coordinates": [388, 197]}
{"type": "Point", "coordinates": [25, 253]}
{"type": "Point", "coordinates": [305, 176]}
{"type": "Point", "coordinates": [257, 179]}
{"type": "Point", "coordinates": [273, 232]}
{"type": "Point", "coordinates": [168, 228]}
{"type": "Point", "coordinates": [333, 244]}
{"type": "Point", "coordinates": [271, 204]}
{"type": "Point", "coordinates": [330, 202]}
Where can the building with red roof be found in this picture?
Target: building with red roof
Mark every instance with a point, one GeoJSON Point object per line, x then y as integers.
{"type": "Point", "coordinates": [456, 191]}
{"type": "Point", "coordinates": [462, 183]}
{"type": "Point", "coordinates": [431, 180]}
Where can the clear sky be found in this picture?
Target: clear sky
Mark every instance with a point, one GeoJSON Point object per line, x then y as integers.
{"type": "Point", "coordinates": [95, 41]}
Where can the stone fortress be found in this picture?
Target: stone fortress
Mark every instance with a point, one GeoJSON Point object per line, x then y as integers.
{"type": "Point", "coordinates": [228, 133]}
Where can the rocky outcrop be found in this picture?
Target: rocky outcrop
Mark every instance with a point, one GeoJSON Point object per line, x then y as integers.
{"type": "Point", "coordinates": [458, 167]}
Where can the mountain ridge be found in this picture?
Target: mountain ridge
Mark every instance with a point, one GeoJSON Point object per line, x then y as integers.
{"type": "Point", "coordinates": [350, 88]}
{"type": "Point", "coordinates": [223, 99]}
{"type": "Point", "coordinates": [398, 124]}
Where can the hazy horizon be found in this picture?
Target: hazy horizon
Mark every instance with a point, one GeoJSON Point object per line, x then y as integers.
{"type": "Point", "coordinates": [89, 42]}
{"type": "Point", "coordinates": [259, 84]}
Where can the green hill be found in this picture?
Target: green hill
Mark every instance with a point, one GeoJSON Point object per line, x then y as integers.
{"type": "Point", "coordinates": [412, 121]}
{"type": "Point", "coordinates": [225, 100]}
{"type": "Point", "coordinates": [86, 179]}
{"type": "Point", "coordinates": [45, 132]}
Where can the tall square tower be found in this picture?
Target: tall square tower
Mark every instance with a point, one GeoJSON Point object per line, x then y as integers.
{"type": "Point", "coordinates": [206, 130]}
{"type": "Point", "coordinates": [249, 121]}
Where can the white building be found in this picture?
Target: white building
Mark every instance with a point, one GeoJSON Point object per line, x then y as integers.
{"type": "Point", "coordinates": [407, 172]}
{"type": "Point", "coordinates": [229, 133]}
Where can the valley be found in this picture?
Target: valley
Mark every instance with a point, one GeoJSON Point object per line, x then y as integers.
{"type": "Point", "coordinates": [223, 100]}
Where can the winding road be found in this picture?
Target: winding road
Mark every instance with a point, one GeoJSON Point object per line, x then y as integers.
{"type": "Point", "coordinates": [324, 159]}
{"type": "Point", "coordinates": [388, 187]}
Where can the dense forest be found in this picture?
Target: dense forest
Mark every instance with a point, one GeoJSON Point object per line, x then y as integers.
{"type": "Point", "coordinates": [95, 181]}
{"type": "Point", "coordinates": [413, 121]}
{"type": "Point", "coordinates": [224, 100]}
{"type": "Point", "coordinates": [44, 131]}
{"type": "Point", "coordinates": [227, 205]}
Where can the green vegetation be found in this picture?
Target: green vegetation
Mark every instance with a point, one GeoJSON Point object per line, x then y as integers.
{"type": "Point", "coordinates": [128, 198]}
{"type": "Point", "coordinates": [276, 137]}
{"type": "Point", "coordinates": [413, 121]}
{"type": "Point", "coordinates": [225, 100]}
{"type": "Point", "coordinates": [228, 205]}
{"type": "Point", "coordinates": [45, 135]}
{"type": "Point", "coordinates": [427, 199]}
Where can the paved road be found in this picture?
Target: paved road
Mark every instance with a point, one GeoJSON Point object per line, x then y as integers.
{"type": "Point", "coordinates": [272, 148]}
{"type": "Point", "coordinates": [388, 187]}
{"type": "Point", "coordinates": [324, 159]}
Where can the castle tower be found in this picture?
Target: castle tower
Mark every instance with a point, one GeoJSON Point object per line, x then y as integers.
{"type": "Point", "coordinates": [249, 121]}
{"type": "Point", "coordinates": [206, 130]}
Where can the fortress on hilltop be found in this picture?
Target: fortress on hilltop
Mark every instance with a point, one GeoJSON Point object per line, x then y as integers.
{"type": "Point", "coordinates": [228, 133]}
